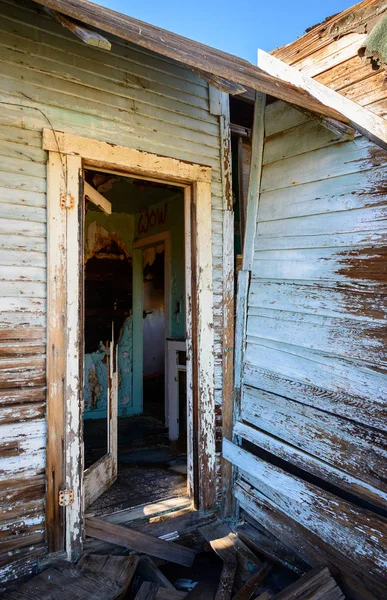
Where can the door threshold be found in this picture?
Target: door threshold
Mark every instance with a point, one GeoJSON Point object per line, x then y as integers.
{"type": "Point", "coordinates": [144, 511]}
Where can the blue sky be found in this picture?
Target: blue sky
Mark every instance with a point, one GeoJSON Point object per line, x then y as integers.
{"type": "Point", "coordinates": [238, 27]}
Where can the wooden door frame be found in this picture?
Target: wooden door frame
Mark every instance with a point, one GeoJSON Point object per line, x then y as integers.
{"type": "Point", "coordinates": [68, 156]}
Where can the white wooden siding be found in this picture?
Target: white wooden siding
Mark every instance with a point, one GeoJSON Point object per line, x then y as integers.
{"type": "Point", "coordinates": [126, 96]}
{"type": "Point", "coordinates": [315, 366]}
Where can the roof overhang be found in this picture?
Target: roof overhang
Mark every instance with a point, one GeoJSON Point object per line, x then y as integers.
{"type": "Point", "coordinates": [271, 76]}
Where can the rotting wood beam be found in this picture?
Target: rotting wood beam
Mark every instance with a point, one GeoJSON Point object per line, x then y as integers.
{"type": "Point", "coordinates": [89, 37]}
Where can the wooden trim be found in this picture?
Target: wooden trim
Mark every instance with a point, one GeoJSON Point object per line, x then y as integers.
{"type": "Point", "coordinates": [189, 336]}
{"type": "Point", "coordinates": [358, 117]}
{"type": "Point", "coordinates": [76, 151]}
{"type": "Point", "coordinates": [204, 351]}
{"type": "Point", "coordinates": [254, 180]}
{"type": "Point", "coordinates": [228, 299]}
{"type": "Point", "coordinates": [56, 342]}
{"type": "Point", "coordinates": [151, 240]}
{"type": "Point", "coordinates": [74, 376]}
{"type": "Point", "coordinates": [98, 154]}
{"type": "Point", "coordinates": [97, 198]}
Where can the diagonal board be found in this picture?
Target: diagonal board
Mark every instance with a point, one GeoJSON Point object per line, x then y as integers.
{"type": "Point", "coordinates": [135, 540]}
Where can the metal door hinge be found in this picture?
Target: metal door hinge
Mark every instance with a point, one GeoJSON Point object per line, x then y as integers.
{"type": "Point", "coordinates": [66, 497]}
{"type": "Point", "coordinates": [67, 201]}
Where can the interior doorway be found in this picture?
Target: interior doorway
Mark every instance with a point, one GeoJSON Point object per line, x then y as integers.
{"type": "Point", "coordinates": [134, 358]}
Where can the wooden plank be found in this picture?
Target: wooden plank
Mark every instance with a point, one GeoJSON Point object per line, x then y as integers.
{"type": "Point", "coordinates": [150, 572]}
{"type": "Point", "coordinates": [316, 509]}
{"type": "Point", "coordinates": [56, 366]}
{"type": "Point", "coordinates": [262, 542]}
{"type": "Point", "coordinates": [312, 550]}
{"type": "Point", "coordinates": [361, 119]}
{"type": "Point", "coordinates": [228, 298]}
{"type": "Point", "coordinates": [253, 583]}
{"type": "Point", "coordinates": [226, 581]}
{"type": "Point", "coordinates": [315, 584]}
{"type": "Point", "coordinates": [94, 196]}
{"type": "Point", "coordinates": [138, 541]}
{"type": "Point", "coordinates": [146, 511]}
{"type": "Point", "coordinates": [120, 569]}
{"type": "Point", "coordinates": [258, 134]}
{"type": "Point", "coordinates": [228, 546]}
{"type": "Point", "coordinates": [317, 467]}
{"type": "Point", "coordinates": [204, 351]}
{"type": "Point", "coordinates": [141, 163]}
{"type": "Point", "coordinates": [148, 591]}
{"type": "Point", "coordinates": [92, 38]}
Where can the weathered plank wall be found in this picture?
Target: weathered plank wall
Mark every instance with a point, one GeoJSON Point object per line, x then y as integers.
{"type": "Point", "coordinates": [312, 422]}
{"type": "Point", "coordinates": [335, 62]}
{"type": "Point", "coordinates": [128, 97]}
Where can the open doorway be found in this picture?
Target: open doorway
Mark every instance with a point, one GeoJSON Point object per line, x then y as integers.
{"type": "Point", "coordinates": [135, 396]}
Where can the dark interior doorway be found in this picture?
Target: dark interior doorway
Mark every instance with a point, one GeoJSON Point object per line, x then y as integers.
{"type": "Point", "coordinates": [151, 465]}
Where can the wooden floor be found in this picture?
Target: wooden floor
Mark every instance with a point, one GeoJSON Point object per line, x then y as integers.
{"type": "Point", "coordinates": [217, 566]}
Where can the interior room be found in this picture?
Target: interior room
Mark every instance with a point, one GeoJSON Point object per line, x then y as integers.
{"type": "Point", "coordinates": [134, 328]}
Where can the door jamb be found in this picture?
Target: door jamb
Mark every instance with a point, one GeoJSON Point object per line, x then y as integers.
{"type": "Point", "coordinates": [68, 155]}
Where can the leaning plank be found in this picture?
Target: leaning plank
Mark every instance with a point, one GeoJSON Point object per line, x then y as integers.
{"type": "Point", "coordinates": [226, 581]}
{"type": "Point", "coordinates": [316, 584]}
{"type": "Point", "coordinates": [89, 37]}
{"type": "Point", "coordinates": [147, 591]}
{"type": "Point", "coordinates": [94, 196]}
{"type": "Point", "coordinates": [135, 540]}
{"type": "Point", "coordinates": [227, 546]}
{"type": "Point", "coordinates": [361, 119]}
{"type": "Point", "coordinates": [255, 580]}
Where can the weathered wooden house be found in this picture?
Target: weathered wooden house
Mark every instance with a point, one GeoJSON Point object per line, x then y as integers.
{"type": "Point", "coordinates": [122, 225]}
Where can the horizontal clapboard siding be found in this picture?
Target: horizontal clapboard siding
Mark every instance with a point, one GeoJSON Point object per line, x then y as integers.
{"type": "Point", "coordinates": [128, 97]}
{"type": "Point", "coordinates": [315, 364]}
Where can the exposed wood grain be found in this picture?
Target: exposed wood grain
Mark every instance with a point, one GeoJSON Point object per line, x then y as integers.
{"type": "Point", "coordinates": [83, 33]}
{"type": "Point", "coordinates": [138, 541]}
{"type": "Point", "coordinates": [248, 589]}
{"type": "Point", "coordinates": [258, 134]}
{"type": "Point", "coordinates": [315, 584]}
{"type": "Point", "coordinates": [226, 581]}
{"type": "Point", "coordinates": [316, 510]}
{"type": "Point", "coordinates": [56, 311]}
{"type": "Point", "coordinates": [97, 198]}
{"type": "Point", "coordinates": [148, 591]}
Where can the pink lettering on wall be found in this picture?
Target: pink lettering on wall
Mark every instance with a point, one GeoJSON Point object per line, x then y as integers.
{"type": "Point", "coordinates": [150, 218]}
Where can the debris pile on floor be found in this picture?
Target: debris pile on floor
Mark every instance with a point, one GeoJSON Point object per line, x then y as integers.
{"type": "Point", "coordinates": [223, 567]}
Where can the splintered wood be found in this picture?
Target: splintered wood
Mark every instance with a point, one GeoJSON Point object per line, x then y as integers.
{"type": "Point", "coordinates": [94, 578]}
{"type": "Point", "coordinates": [112, 577]}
